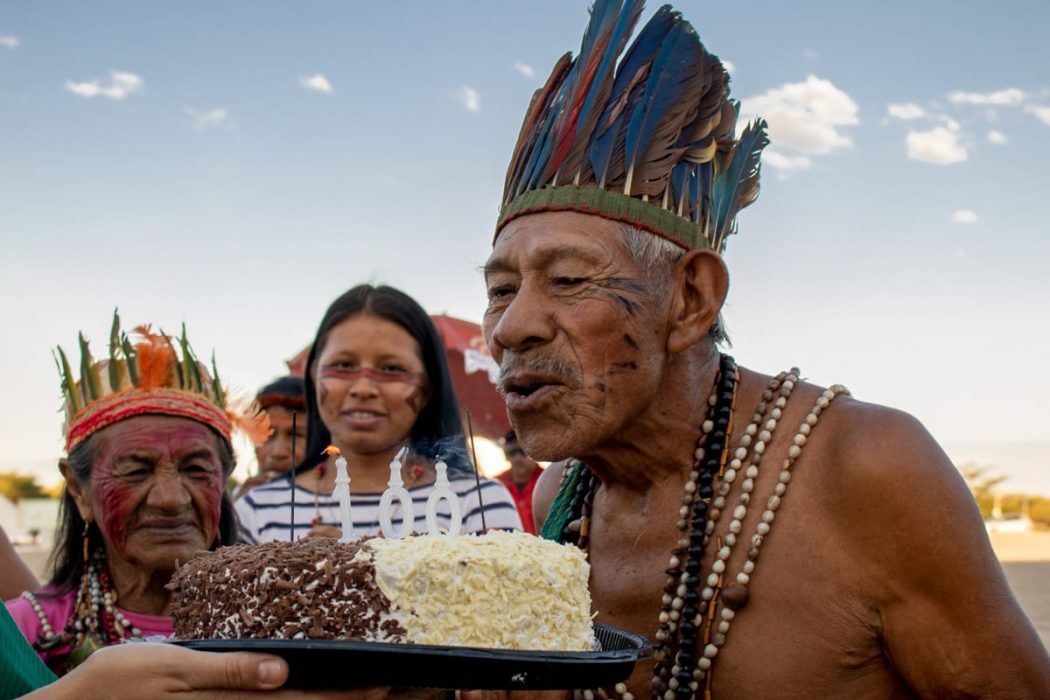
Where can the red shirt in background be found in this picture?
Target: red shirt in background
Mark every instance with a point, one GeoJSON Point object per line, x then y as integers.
{"type": "Point", "coordinates": [522, 497]}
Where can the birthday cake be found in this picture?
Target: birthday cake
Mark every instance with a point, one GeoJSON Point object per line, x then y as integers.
{"type": "Point", "coordinates": [500, 590]}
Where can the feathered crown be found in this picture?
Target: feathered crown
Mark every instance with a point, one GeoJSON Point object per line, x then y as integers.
{"type": "Point", "coordinates": [147, 377]}
{"type": "Point", "coordinates": [650, 142]}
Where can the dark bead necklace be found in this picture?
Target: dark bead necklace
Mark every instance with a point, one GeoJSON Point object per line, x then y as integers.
{"type": "Point", "coordinates": [674, 678]}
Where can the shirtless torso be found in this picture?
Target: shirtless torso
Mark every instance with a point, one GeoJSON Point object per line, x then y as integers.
{"type": "Point", "coordinates": [876, 580]}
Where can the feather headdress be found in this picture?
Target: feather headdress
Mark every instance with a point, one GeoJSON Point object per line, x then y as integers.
{"type": "Point", "coordinates": [148, 376]}
{"type": "Point", "coordinates": [650, 141]}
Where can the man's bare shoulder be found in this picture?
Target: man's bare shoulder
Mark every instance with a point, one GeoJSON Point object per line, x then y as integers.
{"type": "Point", "coordinates": [867, 448]}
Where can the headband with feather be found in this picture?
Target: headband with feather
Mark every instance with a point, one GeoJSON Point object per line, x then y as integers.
{"type": "Point", "coordinates": [148, 377]}
{"type": "Point", "coordinates": [650, 142]}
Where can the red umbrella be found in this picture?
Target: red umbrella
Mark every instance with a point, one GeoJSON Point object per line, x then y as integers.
{"type": "Point", "coordinates": [473, 370]}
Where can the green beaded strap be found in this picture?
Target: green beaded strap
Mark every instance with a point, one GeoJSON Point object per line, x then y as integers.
{"type": "Point", "coordinates": [560, 511]}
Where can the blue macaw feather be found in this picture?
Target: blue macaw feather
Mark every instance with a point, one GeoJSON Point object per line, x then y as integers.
{"type": "Point", "coordinates": [596, 77]}
{"type": "Point", "coordinates": [704, 175]}
{"type": "Point", "coordinates": [737, 186]}
{"type": "Point", "coordinates": [611, 126]}
{"type": "Point", "coordinates": [533, 175]}
{"type": "Point", "coordinates": [538, 108]}
{"type": "Point", "coordinates": [655, 123]}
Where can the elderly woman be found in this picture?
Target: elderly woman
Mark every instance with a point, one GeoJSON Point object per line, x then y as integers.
{"type": "Point", "coordinates": [148, 445]}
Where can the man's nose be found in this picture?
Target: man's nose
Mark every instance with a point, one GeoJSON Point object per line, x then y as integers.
{"type": "Point", "coordinates": [525, 323]}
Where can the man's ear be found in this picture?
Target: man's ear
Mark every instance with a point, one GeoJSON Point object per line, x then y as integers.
{"type": "Point", "coordinates": [80, 497]}
{"type": "Point", "coordinates": [700, 283]}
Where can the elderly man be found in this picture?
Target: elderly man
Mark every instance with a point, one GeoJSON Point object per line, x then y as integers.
{"type": "Point", "coordinates": [773, 538]}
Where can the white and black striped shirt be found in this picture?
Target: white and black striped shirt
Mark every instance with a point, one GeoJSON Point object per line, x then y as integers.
{"type": "Point", "coordinates": [265, 511]}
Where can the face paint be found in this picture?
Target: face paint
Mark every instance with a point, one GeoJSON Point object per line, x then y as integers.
{"type": "Point", "coordinates": [413, 378]}
{"type": "Point", "coordinates": [371, 384]}
{"type": "Point", "coordinates": [156, 489]}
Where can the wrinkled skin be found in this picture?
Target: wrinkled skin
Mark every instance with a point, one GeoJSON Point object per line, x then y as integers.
{"type": "Point", "coordinates": [876, 580]}
{"type": "Point", "coordinates": [565, 323]}
{"type": "Point", "coordinates": [155, 493]}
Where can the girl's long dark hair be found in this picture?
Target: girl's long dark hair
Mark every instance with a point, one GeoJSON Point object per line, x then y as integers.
{"type": "Point", "coordinates": [67, 559]}
{"type": "Point", "coordinates": [437, 430]}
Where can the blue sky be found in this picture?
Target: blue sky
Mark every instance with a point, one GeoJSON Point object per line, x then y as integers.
{"type": "Point", "coordinates": [238, 165]}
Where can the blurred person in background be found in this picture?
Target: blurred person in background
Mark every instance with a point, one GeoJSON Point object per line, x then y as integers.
{"type": "Point", "coordinates": [520, 479]}
{"type": "Point", "coordinates": [281, 399]}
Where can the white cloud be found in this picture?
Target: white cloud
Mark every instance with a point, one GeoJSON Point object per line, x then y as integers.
{"type": "Point", "coordinates": [811, 54]}
{"type": "Point", "coordinates": [779, 161]}
{"type": "Point", "coordinates": [997, 137]}
{"type": "Point", "coordinates": [729, 66]}
{"type": "Point", "coordinates": [120, 85]}
{"type": "Point", "coordinates": [805, 117]}
{"type": "Point", "coordinates": [905, 110]}
{"type": "Point", "coordinates": [1041, 113]}
{"type": "Point", "coordinates": [10, 41]}
{"type": "Point", "coordinates": [525, 69]}
{"type": "Point", "coordinates": [950, 123]}
{"type": "Point", "coordinates": [1008, 97]}
{"type": "Point", "coordinates": [318, 83]}
{"type": "Point", "coordinates": [212, 117]}
{"type": "Point", "coordinates": [964, 216]}
{"type": "Point", "coordinates": [470, 98]}
{"type": "Point", "coordinates": [939, 145]}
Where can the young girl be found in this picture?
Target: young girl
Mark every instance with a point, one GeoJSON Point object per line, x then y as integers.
{"type": "Point", "coordinates": [376, 381]}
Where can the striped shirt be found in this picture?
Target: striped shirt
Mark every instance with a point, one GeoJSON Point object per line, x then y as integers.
{"type": "Point", "coordinates": [265, 511]}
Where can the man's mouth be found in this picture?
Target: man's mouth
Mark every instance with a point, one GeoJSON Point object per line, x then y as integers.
{"type": "Point", "coordinates": [526, 391]}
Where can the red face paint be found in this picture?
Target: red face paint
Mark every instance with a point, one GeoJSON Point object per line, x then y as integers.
{"type": "Point", "coordinates": [352, 375]}
{"type": "Point", "coordinates": [156, 489]}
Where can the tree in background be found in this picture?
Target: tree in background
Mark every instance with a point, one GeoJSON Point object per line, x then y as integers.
{"type": "Point", "coordinates": [983, 482]}
{"type": "Point", "coordinates": [16, 486]}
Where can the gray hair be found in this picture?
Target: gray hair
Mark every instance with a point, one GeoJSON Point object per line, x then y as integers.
{"type": "Point", "coordinates": [657, 258]}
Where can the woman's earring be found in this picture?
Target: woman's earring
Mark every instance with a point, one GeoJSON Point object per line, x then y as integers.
{"type": "Point", "coordinates": [87, 541]}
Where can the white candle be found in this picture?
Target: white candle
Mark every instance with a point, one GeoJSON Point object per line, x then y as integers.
{"type": "Point", "coordinates": [442, 491]}
{"type": "Point", "coordinates": [342, 492]}
{"type": "Point", "coordinates": [396, 489]}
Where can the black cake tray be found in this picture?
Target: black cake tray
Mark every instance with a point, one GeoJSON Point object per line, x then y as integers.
{"type": "Point", "coordinates": [316, 664]}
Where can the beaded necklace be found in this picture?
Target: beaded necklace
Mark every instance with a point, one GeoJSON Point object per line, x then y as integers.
{"type": "Point", "coordinates": [686, 617]}
{"type": "Point", "coordinates": [95, 622]}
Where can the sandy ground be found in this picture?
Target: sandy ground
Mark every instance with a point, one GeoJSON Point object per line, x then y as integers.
{"type": "Point", "coordinates": [1025, 558]}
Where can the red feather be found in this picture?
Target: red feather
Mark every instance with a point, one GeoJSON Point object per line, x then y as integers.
{"type": "Point", "coordinates": [155, 357]}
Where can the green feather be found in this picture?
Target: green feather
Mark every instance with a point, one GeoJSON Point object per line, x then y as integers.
{"type": "Point", "coordinates": [189, 363]}
{"type": "Point", "coordinates": [68, 385]}
{"type": "Point", "coordinates": [132, 360]}
{"type": "Point", "coordinates": [220, 394]}
{"type": "Point", "coordinates": [90, 380]}
{"type": "Point", "coordinates": [114, 353]}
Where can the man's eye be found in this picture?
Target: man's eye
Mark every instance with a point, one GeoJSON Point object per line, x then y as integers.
{"type": "Point", "coordinates": [139, 473]}
{"type": "Point", "coordinates": [393, 369]}
{"type": "Point", "coordinates": [496, 293]}
{"type": "Point", "coordinates": [196, 469]}
{"type": "Point", "coordinates": [567, 281]}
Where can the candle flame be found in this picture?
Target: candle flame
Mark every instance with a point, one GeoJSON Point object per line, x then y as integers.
{"type": "Point", "coordinates": [331, 450]}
